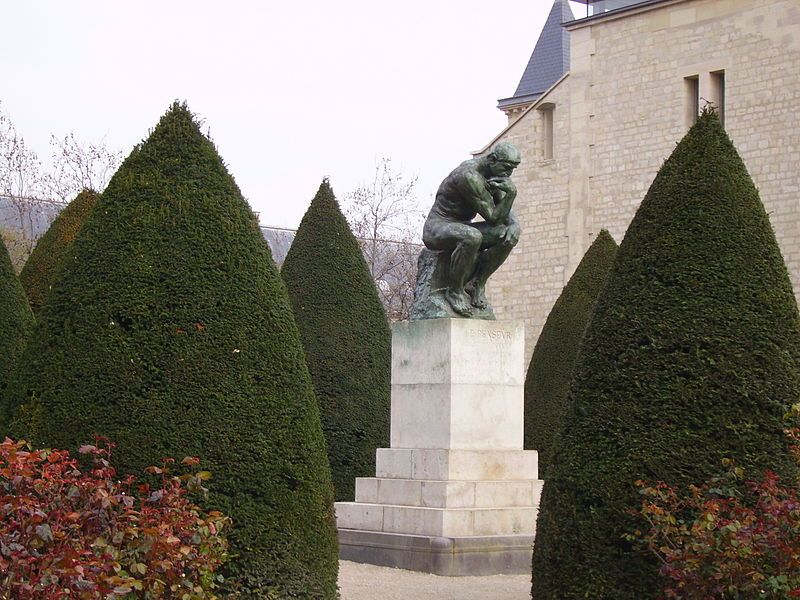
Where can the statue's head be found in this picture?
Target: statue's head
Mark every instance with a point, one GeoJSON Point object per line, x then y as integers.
{"type": "Point", "coordinates": [503, 159]}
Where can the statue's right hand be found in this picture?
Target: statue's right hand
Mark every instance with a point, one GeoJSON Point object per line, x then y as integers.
{"type": "Point", "coordinates": [503, 184]}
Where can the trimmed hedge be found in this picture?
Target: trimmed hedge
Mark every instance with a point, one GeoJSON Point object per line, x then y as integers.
{"type": "Point", "coordinates": [345, 336]}
{"type": "Point", "coordinates": [550, 370]}
{"type": "Point", "coordinates": [38, 273]}
{"type": "Point", "coordinates": [691, 356]}
{"type": "Point", "coordinates": [16, 323]}
{"type": "Point", "coordinates": [169, 331]}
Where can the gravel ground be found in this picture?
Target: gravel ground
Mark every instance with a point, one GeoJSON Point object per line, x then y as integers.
{"type": "Point", "coordinates": [368, 582]}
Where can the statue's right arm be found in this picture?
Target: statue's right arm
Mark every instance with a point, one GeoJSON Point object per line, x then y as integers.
{"type": "Point", "coordinates": [504, 192]}
{"type": "Point", "coordinates": [474, 188]}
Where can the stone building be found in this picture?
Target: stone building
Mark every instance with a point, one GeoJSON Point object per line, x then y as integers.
{"type": "Point", "coordinates": [605, 98]}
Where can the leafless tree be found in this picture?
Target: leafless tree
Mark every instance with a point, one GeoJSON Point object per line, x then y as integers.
{"type": "Point", "coordinates": [77, 166]}
{"type": "Point", "coordinates": [32, 195]}
{"type": "Point", "coordinates": [20, 184]}
{"type": "Point", "coordinates": [11, 237]}
{"type": "Point", "coordinates": [386, 218]}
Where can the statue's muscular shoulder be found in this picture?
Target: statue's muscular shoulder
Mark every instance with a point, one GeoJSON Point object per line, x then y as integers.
{"type": "Point", "coordinates": [465, 178]}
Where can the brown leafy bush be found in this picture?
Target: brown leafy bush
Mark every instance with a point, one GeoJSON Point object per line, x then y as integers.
{"type": "Point", "coordinates": [727, 539]}
{"type": "Point", "coordinates": [73, 532]}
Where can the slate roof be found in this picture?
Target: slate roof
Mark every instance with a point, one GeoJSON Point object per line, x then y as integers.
{"type": "Point", "coordinates": [550, 58]}
{"type": "Point", "coordinates": [279, 241]}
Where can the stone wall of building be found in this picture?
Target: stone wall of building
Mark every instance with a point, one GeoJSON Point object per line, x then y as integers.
{"type": "Point", "coordinates": [626, 102]}
{"type": "Point", "coordinates": [533, 276]}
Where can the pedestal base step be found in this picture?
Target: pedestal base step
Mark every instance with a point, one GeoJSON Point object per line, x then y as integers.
{"type": "Point", "coordinates": [437, 522]}
{"type": "Point", "coordinates": [449, 556]}
{"type": "Point", "coordinates": [449, 494]}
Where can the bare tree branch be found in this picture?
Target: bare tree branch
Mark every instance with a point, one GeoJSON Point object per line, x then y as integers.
{"type": "Point", "coordinates": [32, 195]}
{"type": "Point", "coordinates": [21, 184]}
{"type": "Point", "coordinates": [78, 166]}
{"type": "Point", "coordinates": [386, 218]}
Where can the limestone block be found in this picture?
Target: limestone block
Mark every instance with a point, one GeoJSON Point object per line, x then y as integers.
{"type": "Point", "coordinates": [358, 515]}
{"type": "Point", "coordinates": [393, 462]}
{"type": "Point", "coordinates": [448, 522]}
{"type": "Point", "coordinates": [427, 521]}
{"type": "Point", "coordinates": [440, 464]}
{"type": "Point", "coordinates": [474, 464]}
{"type": "Point", "coordinates": [481, 494]}
{"type": "Point", "coordinates": [448, 494]}
{"type": "Point", "coordinates": [367, 489]}
{"type": "Point", "coordinates": [504, 521]}
{"type": "Point", "coordinates": [451, 494]}
{"type": "Point", "coordinates": [457, 383]}
{"type": "Point", "coordinates": [400, 491]}
{"type": "Point", "coordinates": [458, 351]}
{"type": "Point", "coordinates": [489, 494]}
{"type": "Point", "coordinates": [457, 416]}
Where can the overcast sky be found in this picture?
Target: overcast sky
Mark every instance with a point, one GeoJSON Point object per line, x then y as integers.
{"type": "Point", "coordinates": [291, 91]}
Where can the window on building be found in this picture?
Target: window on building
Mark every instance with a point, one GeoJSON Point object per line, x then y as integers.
{"type": "Point", "coordinates": [691, 101]}
{"type": "Point", "coordinates": [718, 93]}
{"type": "Point", "coordinates": [547, 112]}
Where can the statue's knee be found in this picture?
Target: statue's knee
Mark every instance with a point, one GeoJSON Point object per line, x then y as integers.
{"type": "Point", "coordinates": [473, 240]}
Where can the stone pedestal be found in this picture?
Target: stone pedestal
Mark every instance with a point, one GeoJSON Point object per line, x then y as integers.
{"type": "Point", "coordinates": [455, 494]}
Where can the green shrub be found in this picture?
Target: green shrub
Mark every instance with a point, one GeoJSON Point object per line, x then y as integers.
{"type": "Point", "coordinates": [550, 369]}
{"type": "Point", "coordinates": [168, 330]}
{"type": "Point", "coordinates": [38, 273]}
{"type": "Point", "coordinates": [16, 322]}
{"type": "Point", "coordinates": [345, 336]}
{"type": "Point", "coordinates": [691, 356]}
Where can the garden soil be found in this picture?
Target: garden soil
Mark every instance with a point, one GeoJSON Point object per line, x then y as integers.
{"type": "Point", "coordinates": [368, 582]}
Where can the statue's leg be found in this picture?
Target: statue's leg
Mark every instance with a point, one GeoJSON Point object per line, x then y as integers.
{"type": "Point", "coordinates": [464, 242]}
{"type": "Point", "coordinates": [462, 264]}
{"type": "Point", "coordinates": [494, 253]}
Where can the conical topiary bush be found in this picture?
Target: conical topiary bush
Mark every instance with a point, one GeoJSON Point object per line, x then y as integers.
{"type": "Point", "coordinates": [16, 322]}
{"type": "Point", "coordinates": [553, 359]}
{"type": "Point", "coordinates": [346, 339]}
{"type": "Point", "coordinates": [691, 356]}
{"type": "Point", "coordinates": [38, 273]}
{"type": "Point", "coordinates": [168, 330]}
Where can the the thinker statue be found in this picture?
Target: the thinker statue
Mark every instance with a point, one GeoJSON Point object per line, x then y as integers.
{"type": "Point", "coordinates": [461, 254]}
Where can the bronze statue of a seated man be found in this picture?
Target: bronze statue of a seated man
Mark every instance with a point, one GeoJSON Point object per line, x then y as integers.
{"type": "Point", "coordinates": [482, 187]}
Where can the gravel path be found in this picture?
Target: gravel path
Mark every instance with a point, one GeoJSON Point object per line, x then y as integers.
{"type": "Point", "coordinates": [368, 582]}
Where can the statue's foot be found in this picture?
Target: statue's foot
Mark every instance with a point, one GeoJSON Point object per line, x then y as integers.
{"type": "Point", "coordinates": [458, 302]}
{"type": "Point", "coordinates": [477, 295]}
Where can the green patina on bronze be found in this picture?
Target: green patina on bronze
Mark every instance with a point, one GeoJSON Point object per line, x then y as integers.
{"type": "Point", "coordinates": [460, 254]}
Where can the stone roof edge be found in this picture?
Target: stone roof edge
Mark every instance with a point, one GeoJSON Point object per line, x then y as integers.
{"type": "Point", "coordinates": [515, 100]}
{"type": "Point", "coordinates": [276, 228]}
{"type": "Point", "coordinates": [533, 105]}
{"type": "Point", "coordinates": [619, 13]}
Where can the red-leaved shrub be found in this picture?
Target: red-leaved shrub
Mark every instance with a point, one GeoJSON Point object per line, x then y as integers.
{"type": "Point", "coordinates": [727, 539]}
{"type": "Point", "coordinates": [82, 533]}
